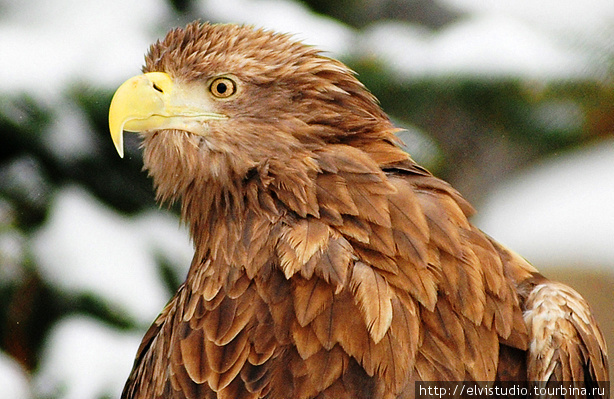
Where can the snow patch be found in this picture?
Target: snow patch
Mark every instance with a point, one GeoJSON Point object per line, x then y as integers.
{"type": "Point", "coordinates": [491, 46]}
{"type": "Point", "coordinates": [69, 136]}
{"type": "Point", "coordinates": [13, 379]}
{"type": "Point", "coordinates": [285, 17]}
{"type": "Point", "coordinates": [45, 47]}
{"type": "Point", "coordinates": [83, 358]}
{"type": "Point", "coordinates": [584, 27]}
{"type": "Point", "coordinates": [12, 256]}
{"type": "Point", "coordinates": [569, 19]}
{"type": "Point", "coordinates": [86, 248]}
{"type": "Point", "coordinates": [560, 212]}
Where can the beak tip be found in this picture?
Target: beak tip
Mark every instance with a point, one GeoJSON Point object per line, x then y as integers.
{"type": "Point", "coordinates": [118, 142]}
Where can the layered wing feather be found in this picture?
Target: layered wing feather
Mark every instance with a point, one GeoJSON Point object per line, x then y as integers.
{"type": "Point", "coordinates": [354, 286]}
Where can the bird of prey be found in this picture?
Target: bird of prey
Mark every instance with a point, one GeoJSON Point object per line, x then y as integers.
{"type": "Point", "coordinates": [327, 264]}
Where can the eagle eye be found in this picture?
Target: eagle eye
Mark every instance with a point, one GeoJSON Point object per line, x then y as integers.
{"type": "Point", "coordinates": [223, 87]}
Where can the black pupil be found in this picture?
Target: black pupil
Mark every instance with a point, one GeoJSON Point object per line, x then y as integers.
{"type": "Point", "coordinates": [222, 87]}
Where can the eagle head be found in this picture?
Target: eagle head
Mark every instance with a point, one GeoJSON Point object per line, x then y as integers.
{"type": "Point", "coordinates": [216, 102]}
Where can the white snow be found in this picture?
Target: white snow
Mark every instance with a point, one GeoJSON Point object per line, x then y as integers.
{"type": "Point", "coordinates": [84, 359]}
{"type": "Point", "coordinates": [589, 22]}
{"type": "Point", "coordinates": [560, 212]}
{"type": "Point", "coordinates": [284, 16]}
{"type": "Point", "coordinates": [490, 46]}
{"type": "Point", "coordinates": [69, 135]}
{"type": "Point", "coordinates": [12, 255]}
{"type": "Point", "coordinates": [13, 380]}
{"type": "Point", "coordinates": [86, 248]}
{"type": "Point", "coordinates": [47, 45]}
{"type": "Point", "coordinates": [583, 27]}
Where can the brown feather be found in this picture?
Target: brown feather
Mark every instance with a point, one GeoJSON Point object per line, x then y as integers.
{"type": "Point", "coordinates": [300, 242]}
{"type": "Point", "coordinates": [311, 297]}
{"type": "Point", "coordinates": [192, 352]}
{"type": "Point", "coordinates": [334, 195]}
{"type": "Point", "coordinates": [306, 341]}
{"type": "Point", "coordinates": [373, 297]}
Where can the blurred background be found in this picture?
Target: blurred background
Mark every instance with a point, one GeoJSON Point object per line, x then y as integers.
{"type": "Point", "coordinates": [512, 102]}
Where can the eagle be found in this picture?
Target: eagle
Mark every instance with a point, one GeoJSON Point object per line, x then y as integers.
{"type": "Point", "coordinates": [327, 263]}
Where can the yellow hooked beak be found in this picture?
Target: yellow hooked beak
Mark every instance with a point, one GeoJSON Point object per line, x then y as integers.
{"type": "Point", "coordinates": [152, 101]}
